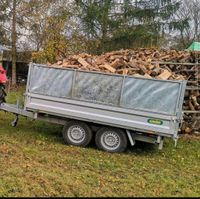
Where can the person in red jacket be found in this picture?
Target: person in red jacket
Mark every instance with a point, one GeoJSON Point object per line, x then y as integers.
{"type": "Point", "coordinates": [3, 80]}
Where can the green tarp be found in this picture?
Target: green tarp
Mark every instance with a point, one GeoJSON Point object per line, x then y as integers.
{"type": "Point", "coordinates": [195, 46]}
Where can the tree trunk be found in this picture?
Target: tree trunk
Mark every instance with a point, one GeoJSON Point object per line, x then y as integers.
{"type": "Point", "coordinates": [14, 41]}
{"type": "Point", "coordinates": [104, 26]}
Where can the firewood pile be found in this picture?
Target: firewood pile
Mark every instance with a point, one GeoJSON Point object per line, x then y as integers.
{"type": "Point", "coordinates": [149, 63]}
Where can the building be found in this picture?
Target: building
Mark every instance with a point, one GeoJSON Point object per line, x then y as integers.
{"type": "Point", "coordinates": [23, 60]}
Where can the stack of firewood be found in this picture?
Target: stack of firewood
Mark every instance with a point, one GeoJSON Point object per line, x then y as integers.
{"type": "Point", "coordinates": [149, 63]}
{"type": "Point", "coordinates": [140, 62]}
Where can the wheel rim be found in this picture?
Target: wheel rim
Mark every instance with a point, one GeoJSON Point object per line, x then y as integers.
{"type": "Point", "coordinates": [76, 134]}
{"type": "Point", "coordinates": [110, 140]}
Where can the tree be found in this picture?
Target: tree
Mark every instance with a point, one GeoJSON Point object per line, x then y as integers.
{"type": "Point", "coordinates": [14, 43]}
{"type": "Point", "coordinates": [10, 15]}
{"type": "Point", "coordinates": [34, 20]}
{"type": "Point", "coordinates": [127, 23]}
{"type": "Point", "coordinates": [51, 30]}
{"type": "Point", "coordinates": [28, 22]}
{"type": "Point", "coordinates": [144, 23]}
{"type": "Point", "coordinates": [96, 22]}
{"type": "Point", "coordinates": [3, 36]}
{"type": "Point", "coordinates": [187, 22]}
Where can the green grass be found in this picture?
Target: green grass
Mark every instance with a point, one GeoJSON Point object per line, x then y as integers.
{"type": "Point", "coordinates": [35, 162]}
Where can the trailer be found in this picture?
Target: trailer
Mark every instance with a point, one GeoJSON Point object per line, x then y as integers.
{"type": "Point", "coordinates": [114, 109]}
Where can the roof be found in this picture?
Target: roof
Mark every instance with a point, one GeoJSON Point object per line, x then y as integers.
{"type": "Point", "coordinates": [195, 46]}
{"type": "Point", "coordinates": [2, 48]}
{"type": "Point", "coordinates": [22, 56]}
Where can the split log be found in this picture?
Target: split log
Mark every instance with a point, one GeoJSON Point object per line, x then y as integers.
{"type": "Point", "coordinates": [59, 62]}
{"type": "Point", "coordinates": [164, 75]}
{"type": "Point", "coordinates": [125, 71]}
{"type": "Point", "coordinates": [117, 63]}
{"type": "Point", "coordinates": [108, 67]}
{"type": "Point", "coordinates": [83, 62]}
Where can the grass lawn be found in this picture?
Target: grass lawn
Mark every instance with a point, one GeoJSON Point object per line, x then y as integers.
{"type": "Point", "coordinates": [35, 162]}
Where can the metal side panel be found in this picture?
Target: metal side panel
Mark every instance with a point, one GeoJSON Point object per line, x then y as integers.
{"type": "Point", "coordinates": [104, 116]}
{"type": "Point", "coordinates": [142, 94]}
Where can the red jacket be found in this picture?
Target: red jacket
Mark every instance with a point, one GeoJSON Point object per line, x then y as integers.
{"type": "Point", "coordinates": [3, 78]}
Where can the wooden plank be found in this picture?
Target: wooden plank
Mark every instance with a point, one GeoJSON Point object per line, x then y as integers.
{"type": "Point", "coordinates": [108, 67]}
{"type": "Point", "coordinates": [191, 105]}
{"type": "Point", "coordinates": [59, 62]}
{"type": "Point", "coordinates": [100, 60]}
{"type": "Point", "coordinates": [150, 67]}
{"type": "Point", "coordinates": [116, 63]}
{"type": "Point", "coordinates": [155, 72]}
{"type": "Point", "coordinates": [125, 71]}
{"type": "Point", "coordinates": [83, 62]}
{"type": "Point", "coordinates": [129, 69]}
{"type": "Point", "coordinates": [164, 75]}
{"type": "Point", "coordinates": [175, 63]}
{"type": "Point", "coordinates": [143, 68]}
{"type": "Point", "coordinates": [193, 88]}
{"type": "Point", "coordinates": [147, 76]}
{"type": "Point", "coordinates": [137, 75]}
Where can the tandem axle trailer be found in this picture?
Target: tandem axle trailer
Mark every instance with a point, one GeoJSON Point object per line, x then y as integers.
{"type": "Point", "coordinates": [116, 109]}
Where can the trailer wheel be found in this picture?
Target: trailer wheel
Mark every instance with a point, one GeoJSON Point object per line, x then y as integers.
{"type": "Point", "coordinates": [77, 133]}
{"type": "Point", "coordinates": [111, 140]}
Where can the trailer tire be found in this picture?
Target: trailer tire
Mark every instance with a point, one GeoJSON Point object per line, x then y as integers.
{"type": "Point", "coordinates": [77, 133]}
{"type": "Point", "coordinates": [111, 140]}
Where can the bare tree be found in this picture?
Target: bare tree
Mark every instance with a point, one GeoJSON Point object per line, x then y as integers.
{"type": "Point", "coordinates": [188, 22]}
